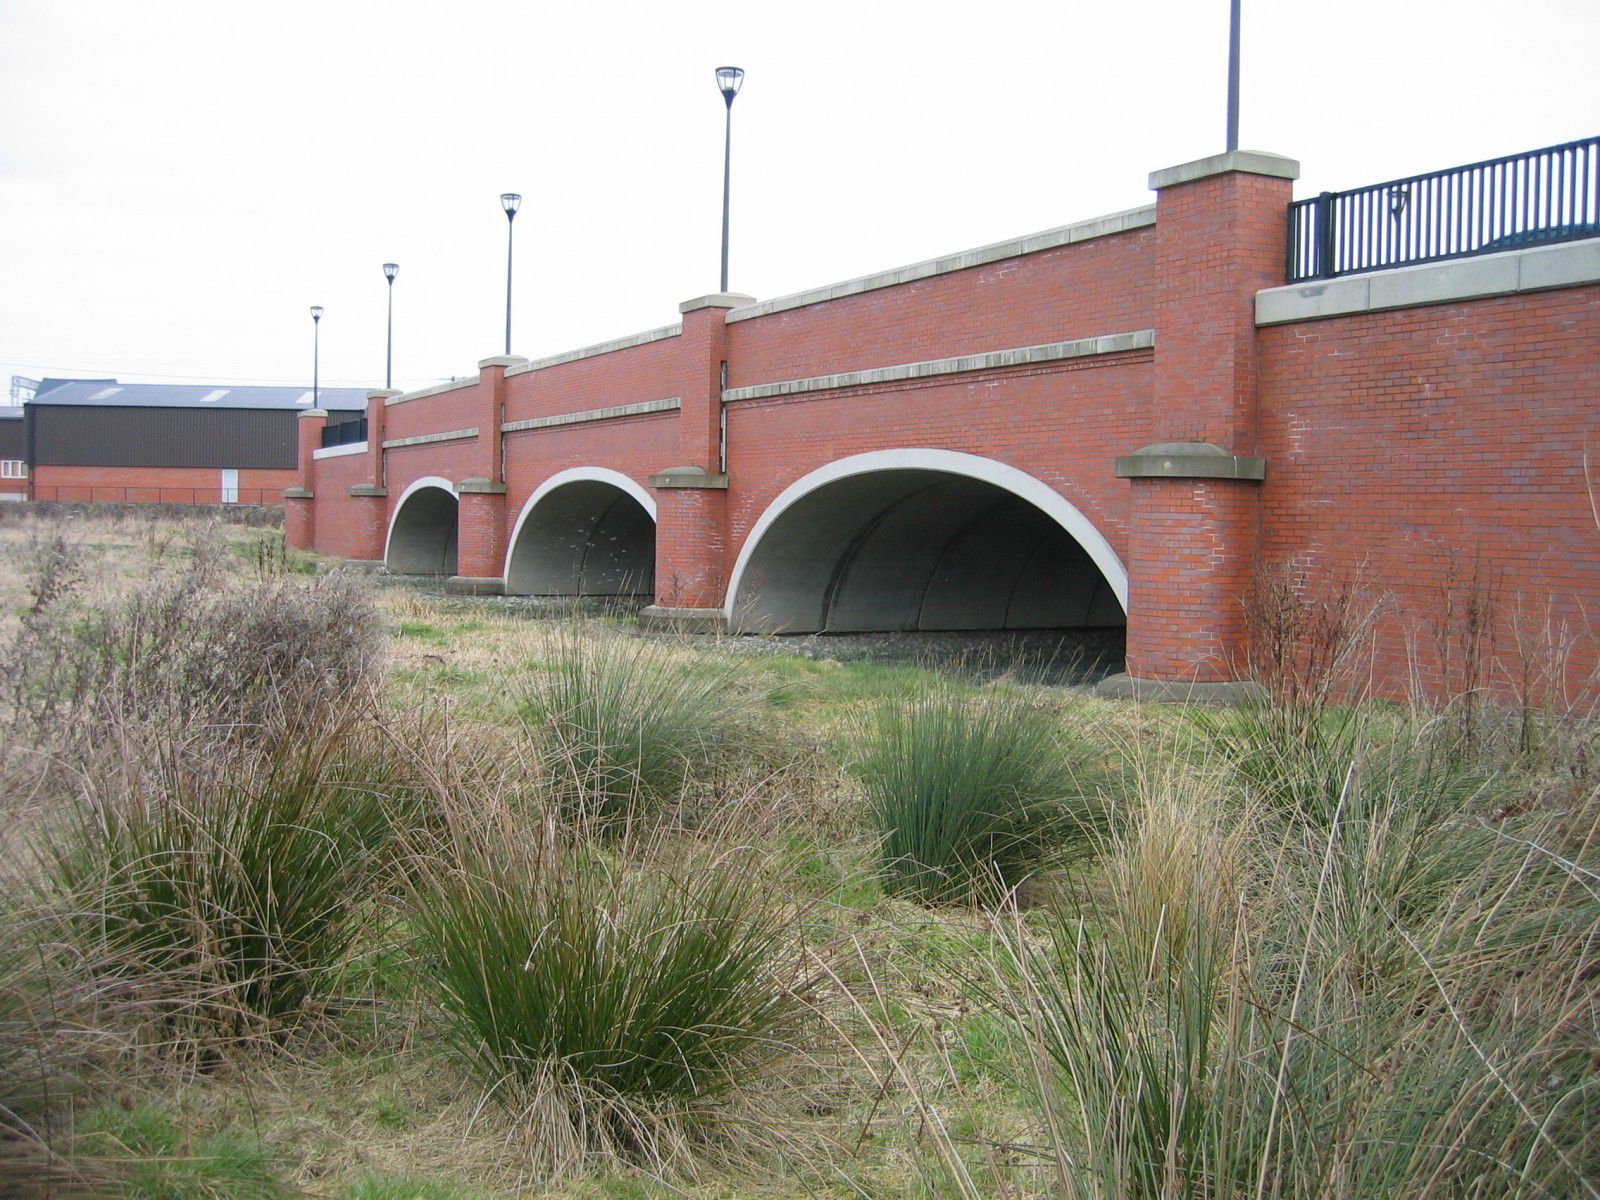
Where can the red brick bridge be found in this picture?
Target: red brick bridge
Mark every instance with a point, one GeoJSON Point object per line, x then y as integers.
{"type": "Point", "coordinates": [1119, 422]}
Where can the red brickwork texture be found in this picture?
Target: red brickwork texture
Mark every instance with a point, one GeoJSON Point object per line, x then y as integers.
{"type": "Point", "coordinates": [1433, 452]}
{"type": "Point", "coordinates": [158, 485]}
{"type": "Point", "coordinates": [1436, 453]}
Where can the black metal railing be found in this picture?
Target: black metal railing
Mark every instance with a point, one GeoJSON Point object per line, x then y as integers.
{"type": "Point", "coordinates": [1549, 195]}
{"type": "Point", "coordinates": [345, 433]}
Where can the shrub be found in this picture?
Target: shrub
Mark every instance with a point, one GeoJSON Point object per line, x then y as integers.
{"type": "Point", "coordinates": [972, 793]}
{"type": "Point", "coordinates": [629, 723]}
{"type": "Point", "coordinates": [235, 889]}
{"type": "Point", "coordinates": [620, 1007]}
{"type": "Point", "coordinates": [192, 650]}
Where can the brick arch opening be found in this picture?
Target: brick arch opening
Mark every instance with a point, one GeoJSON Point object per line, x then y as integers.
{"type": "Point", "coordinates": [588, 531]}
{"type": "Point", "coordinates": [422, 532]}
{"type": "Point", "coordinates": [924, 540]}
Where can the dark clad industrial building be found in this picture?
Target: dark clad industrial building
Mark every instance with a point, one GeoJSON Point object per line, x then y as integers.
{"type": "Point", "coordinates": [100, 440]}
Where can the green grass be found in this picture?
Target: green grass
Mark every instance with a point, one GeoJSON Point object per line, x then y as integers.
{"type": "Point", "coordinates": [152, 1159]}
{"type": "Point", "coordinates": [629, 725]}
{"type": "Point", "coordinates": [971, 794]}
{"type": "Point", "coordinates": [621, 1004]}
{"type": "Point", "coordinates": [237, 892]}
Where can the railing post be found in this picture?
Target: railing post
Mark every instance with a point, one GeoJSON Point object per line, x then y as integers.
{"type": "Point", "coordinates": [1327, 268]}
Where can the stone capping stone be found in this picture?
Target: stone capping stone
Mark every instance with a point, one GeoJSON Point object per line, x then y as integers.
{"type": "Point", "coordinates": [656, 618]}
{"type": "Point", "coordinates": [312, 412]}
{"type": "Point", "coordinates": [642, 408]}
{"type": "Point", "coordinates": [1033, 243]}
{"type": "Point", "coordinates": [437, 389]}
{"type": "Point", "coordinates": [501, 360]}
{"type": "Point", "coordinates": [298, 493]}
{"type": "Point", "coordinates": [1022, 356]}
{"type": "Point", "coordinates": [383, 393]}
{"type": "Point", "coordinates": [599, 348]}
{"type": "Point", "coordinates": [1509, 272]}
{"type": "Point", "coordinates": [717, 300]}
{"type": "Point", "coordinates": [474, 585]}
{"type": "Point", "coordinates": [1249, 162]}
{"type": "Point", "coordinates": [480, 486]}
{"type": "Point", "coordinates": [1188, 460]}
{"type": "Point", "coordinates": [423, 439]}
{"type": "Point", "coordinates": [1177, 691]}
{"type": "Point", "coordinates": [688, 477]}
{"type": "Point", "coordinates": [368, 490]}
{"type": "Point", "coordinates": [340, 451]}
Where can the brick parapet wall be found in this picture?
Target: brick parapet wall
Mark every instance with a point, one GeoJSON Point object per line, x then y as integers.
{"type": "Point", "coordinates": [1436, 453]}
{"type": "Point", "coordinates": [1084, 289]}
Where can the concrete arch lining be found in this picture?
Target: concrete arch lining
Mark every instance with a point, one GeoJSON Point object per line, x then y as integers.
{"type": "Point", "coordinates": [922, 538]}
{"type": "Point", "coordinates": [584, 531]}
{"type": "Point", "coordinates": [427, 544]}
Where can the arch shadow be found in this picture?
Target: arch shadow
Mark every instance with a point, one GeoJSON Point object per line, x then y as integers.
{"type": "Point", "coordinates": [422, 532]}
{"type": "Point", "coordinates": [587, 531]}
{"type": "Point", "coordinates": [923, 540]}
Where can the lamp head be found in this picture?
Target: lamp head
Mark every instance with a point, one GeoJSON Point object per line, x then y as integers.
{"type": "Point", "coordinates": [316, 312]}
{"type": "Point", "coordinates": [729, 81]}
{"type": "Point", "coordinates": [510, 201]}
{"type": "Point", "coordinates": [390, 270]}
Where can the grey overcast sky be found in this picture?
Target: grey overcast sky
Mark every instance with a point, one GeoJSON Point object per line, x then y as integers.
{"type": "Point", "coordinates": [181, 179]}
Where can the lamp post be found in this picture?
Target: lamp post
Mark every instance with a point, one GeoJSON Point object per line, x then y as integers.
{"type": "Point", "coordinates": [729, 81]}
{"type": "Point", "coordinates": [316, 351]}
{"type": "Point", "coordinates": [509, 201]}
{"type": "Point", "coordinates": [390, 270]}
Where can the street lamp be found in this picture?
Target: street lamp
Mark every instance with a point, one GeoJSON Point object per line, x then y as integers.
{"type": "Point", "coordinates": [316, 350]}
{"type": "Point", "coordinates": [509, 201]}
{"type": "Point", "coordinates": [390, 270]}
{"type": "Point", "coordinates": [729, 81]}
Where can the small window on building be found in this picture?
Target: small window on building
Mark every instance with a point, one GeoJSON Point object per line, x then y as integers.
{"type": "Point", "coordinates": [13, 468]}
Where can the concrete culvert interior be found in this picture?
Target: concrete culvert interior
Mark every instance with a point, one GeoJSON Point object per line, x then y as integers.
{"type": "Point", "coordinates": [422, 540]}
{"type": "Point", "coordinates": [585, 538]}
{"type": "Point", "coordinates": [905, 550]}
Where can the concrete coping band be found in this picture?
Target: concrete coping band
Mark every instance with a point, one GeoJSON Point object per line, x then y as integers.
{"type": "Point", "coordinates": [688, 477]}
{"type": "Point", "coordinates": [717, 300]}
{"type": "Point", "coordinates": [1530, 269]}
{"type": "Point", "coordinates": [1248, 162]}
{"type": "Point", "coordinates": [1033, 243]}
{"type": "Point", "coordinates": [501, 360]}
{"type": "Point", "coordinates": [1020, 356]}
{"type": "Point", "coordinates": [1188, 460]}
{"type": "Point", "coordinates": [426, 439]}
{"type": "Point", "coordinates": [313, 412]}
{"type": "Point", "coordinates": [340, 451]}
{"type": "Point", "coordinates": [639, 409]}
{"type": "Point", "coordinates": [298, 493]}
{"type": "Point", "coordinates": [383, 393]}
{"type": "Point", "coordinates": [481, 487]}
{"type": "Point", "coordinates": [437, 389]}
{"type": "Point", "coordinates": [368, 489]}
{"type": "Point", "coordinates": [599, 348]}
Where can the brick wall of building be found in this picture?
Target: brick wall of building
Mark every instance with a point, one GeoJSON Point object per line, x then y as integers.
{"type": "Point", "coordinates": [150, 485]}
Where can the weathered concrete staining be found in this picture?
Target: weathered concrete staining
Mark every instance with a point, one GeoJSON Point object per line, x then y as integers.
{"type": "Point", "coordinates": [422, 535]}
{"type": "Point", "coordinates": [584, 532]}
